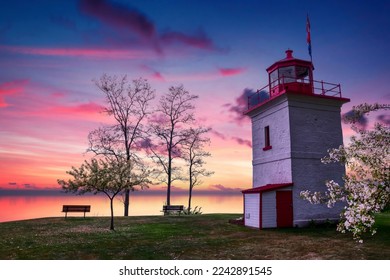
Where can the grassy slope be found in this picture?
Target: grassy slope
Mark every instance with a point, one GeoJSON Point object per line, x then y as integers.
{"type": "Point", "coordinates": [184, 237]}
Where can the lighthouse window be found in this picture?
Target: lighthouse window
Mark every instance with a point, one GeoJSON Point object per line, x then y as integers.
{"type": "Point", "coordinates": [274, 78]}
{"type": "Point", "coordinates": [267, 141]}
{"type": "Point", "coordinates": [287, 74]}
{"type": "Point", "coordinates": [302, 74]}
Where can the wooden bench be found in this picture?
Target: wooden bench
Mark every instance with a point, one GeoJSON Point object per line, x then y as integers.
{"type": "Point", "coordinates": [76, 208]}
{"type": "Point", "coordinates": [167, 209]}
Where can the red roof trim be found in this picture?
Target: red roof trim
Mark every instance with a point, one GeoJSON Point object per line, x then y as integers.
{"type": "Point", "coordinates": [341, 99]}
{"type": "Point", "coordinates": [266, 188]}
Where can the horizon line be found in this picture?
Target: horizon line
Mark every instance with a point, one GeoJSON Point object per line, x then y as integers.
{"type": "Point", "coordinates": [60, 192]}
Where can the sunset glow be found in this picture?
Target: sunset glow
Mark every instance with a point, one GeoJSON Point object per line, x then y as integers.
{"type": "Point", "coordinates": [50, 54]}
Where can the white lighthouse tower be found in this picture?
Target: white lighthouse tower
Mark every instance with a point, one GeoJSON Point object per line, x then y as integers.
{"type": "Point", "coordinates": [292, 129]}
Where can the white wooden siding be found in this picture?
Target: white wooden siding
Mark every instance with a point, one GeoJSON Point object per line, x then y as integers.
{"type": "Point", "coordinates": [272, 166]}
{"type": "Point", "coordinates": [252, 208]}
{"type": "Point", "coordinates": [315, 125]}
{"type": "Point", "coordinates": [269, 209]}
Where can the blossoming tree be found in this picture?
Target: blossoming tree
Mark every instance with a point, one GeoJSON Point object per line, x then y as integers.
{"type": "Point", "coordinates": [366, 189]}
{"type": "Point", "coordinates": [110, 177]}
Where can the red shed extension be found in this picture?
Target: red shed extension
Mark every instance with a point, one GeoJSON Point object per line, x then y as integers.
{"type": "Point", "coordinates": [269, 206]}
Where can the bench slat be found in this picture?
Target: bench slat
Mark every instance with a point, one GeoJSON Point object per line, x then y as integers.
{"type": "Point", "coordinates": [76, 208]}
{"type": "Point", "coordinates": [173, 207]}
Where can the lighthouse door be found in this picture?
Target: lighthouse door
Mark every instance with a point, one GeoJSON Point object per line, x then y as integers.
{"type": "Point", "coordinates": [284, 209]}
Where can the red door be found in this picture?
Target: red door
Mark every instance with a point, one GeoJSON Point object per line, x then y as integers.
{"type": "Point", "coordinates": [284, 209]}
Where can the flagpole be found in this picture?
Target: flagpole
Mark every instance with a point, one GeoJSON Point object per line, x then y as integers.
{"type": "Point", "coordinates": [308, 38]}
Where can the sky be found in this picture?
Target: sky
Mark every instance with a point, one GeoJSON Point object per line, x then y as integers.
{"type": "Point", "coordinates": [51, 51]}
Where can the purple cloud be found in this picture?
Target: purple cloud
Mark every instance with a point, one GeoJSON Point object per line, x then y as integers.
{"type": "Point", "coordinates": [145, 143]}
{"type": "Point", "coordinates": [129, 23]}
{"type": "Point", "coordinates": [218, 134]}
{"type": "Point", "coordinates": [119, 16]}
{"type": "Point", "coordinates": [240, 105]}
{"type": "Point", "coordinates": [243, 141]}
{"type": "Point", "coordinates": [222, 188]}
{"type": "Point", "coordinates": [199, 40]}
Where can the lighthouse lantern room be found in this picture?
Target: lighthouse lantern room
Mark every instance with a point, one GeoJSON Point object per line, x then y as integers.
{"type": "Point", "coordinates": [295, 120]}
{"type": "Point", "coordinates": [290, 74]}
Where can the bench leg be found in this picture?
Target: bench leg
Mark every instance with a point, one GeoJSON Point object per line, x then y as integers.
{"type": "Point", "coordinates": [66, 215]}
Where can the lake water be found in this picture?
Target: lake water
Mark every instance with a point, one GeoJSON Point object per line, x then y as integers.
{"type": "Point", "coordinates": [18, 207]}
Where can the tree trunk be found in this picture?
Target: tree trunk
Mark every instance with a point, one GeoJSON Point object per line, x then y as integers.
{"type": "Point", "coordinates": [169, 194]}
{"type": "Point", "coordinates": [112, 213]}
{"type": "Point", "coordinates": [190, 190]}
{"type": "Point", "coordinates": [189, 201]}
{"type": "Point", "coordinates": [169, 178]}
{"type": "Point", "coordinates": [126, 203]}
{"type": "Point", "coordinates": [127, 191]}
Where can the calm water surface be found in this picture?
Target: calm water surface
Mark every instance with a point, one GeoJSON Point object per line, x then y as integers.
{"type": "Point", "coordinates": [17, 207]}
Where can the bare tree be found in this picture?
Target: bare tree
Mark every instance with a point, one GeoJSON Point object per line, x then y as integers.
{"type": "Point", "coordinates": [129, 105]}
{"type": "Point", "coordinates": [174, 114]}
{"type": "Point", "coordinates": [194, 155]}
{"type": "Point", "coordinates": [110, 177]}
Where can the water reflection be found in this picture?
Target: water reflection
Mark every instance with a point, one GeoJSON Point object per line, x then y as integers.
{"type": "Point", "coordinates": [15, 207]}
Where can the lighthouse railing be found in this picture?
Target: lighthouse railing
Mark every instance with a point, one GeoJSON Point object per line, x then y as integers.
{"type": "Point", "coordinates": [325, 88]}
{"type": "Point", "coordinates": [281, 84]}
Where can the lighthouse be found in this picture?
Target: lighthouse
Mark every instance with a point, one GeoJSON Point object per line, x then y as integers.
{"type": "Point", "coordinates": [295, 120]}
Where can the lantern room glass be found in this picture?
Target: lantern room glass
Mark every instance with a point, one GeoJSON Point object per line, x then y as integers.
{"type": "Point", "coordinates": [302, 74]}
{"type": "Point", "coordinates": [289, 74]}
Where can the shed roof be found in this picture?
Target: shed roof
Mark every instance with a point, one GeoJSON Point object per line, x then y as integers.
{"type": "Point", "coordinates": [268, 187]}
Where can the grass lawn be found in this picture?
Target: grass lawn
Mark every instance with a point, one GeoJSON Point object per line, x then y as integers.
{"type": "Point", "coordinates": [181, 237]}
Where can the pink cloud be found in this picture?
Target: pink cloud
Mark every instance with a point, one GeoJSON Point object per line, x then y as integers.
{"type": "Point", "coordinates": [36, 165]}
{"type": "Point", "coordinates": [154, 74]}
{"type": "Point", "coordinates": [57, 94]}
{"type": "Point", "coordinates": [84, 111]}
{"type": "Point", "coordinates": [43, 132]}
{"type": "Point", "coordinates": [227, 72]}
{"type": "Point", "coordinates": [78, 52]}
{"type": "Point", "coordinates": [206, 75]}
{"type": "Point", "coordinates": [10, 88]}
{"type": "Point", "coordinates": [27, 100]}
{"type": "Point", "coordinates": [158, 76]}
{"type": "Point", "coordinates": [83, 108]}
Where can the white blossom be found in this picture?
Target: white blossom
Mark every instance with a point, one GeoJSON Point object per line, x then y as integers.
{"type": "Point", "coordinates": [366, 189]}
